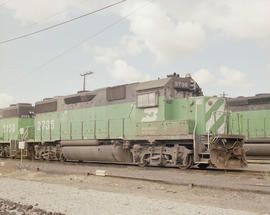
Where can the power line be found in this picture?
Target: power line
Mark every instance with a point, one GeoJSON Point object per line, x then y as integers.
{"type": "Point", "coordinates": [49, 17]}
{"type": "Point", "coordinates": [61, 23]}
{"type": "Point", "coordinates": [66, 51]}
{"type": "Point", "coordinates": [70, 48]}
{"type": "Point", "coordinates": [86, 39]}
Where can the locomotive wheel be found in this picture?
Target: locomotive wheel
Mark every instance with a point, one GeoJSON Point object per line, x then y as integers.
{"type": "Point", "coordinates": [144, 163]}
{"type": "Point", "coordinates": [187, 163]}
{"type": "Point", "coordinates": [62, 158]}
{"type": "Point", "coordinates": [203, 165]}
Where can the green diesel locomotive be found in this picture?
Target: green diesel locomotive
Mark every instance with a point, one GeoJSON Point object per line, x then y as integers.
{"type": "Point", "coordinates": [16, 124]}
{"type": "Point", "coordinates": [164, 122]}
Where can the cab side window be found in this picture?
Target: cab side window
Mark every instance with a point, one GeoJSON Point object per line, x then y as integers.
{"type": "Point", "coordinates": [147, 100]}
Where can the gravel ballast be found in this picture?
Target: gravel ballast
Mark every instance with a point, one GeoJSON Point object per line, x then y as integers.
{"type": "Point", "coordinates": [8, 207]}
{"type": "Point", "coordinates": [71, 200]}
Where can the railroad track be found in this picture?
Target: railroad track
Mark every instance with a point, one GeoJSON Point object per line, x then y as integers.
{"type": "Point", "coordinates": [100, 165]}
{"type": "Point", "coordinates": [250, 180]}
{"type": "Point", "coordinates": [262, 163]}
{"type": "Point", "coordinates": [194, 169]}
{"type": "Point", "coordinates": [130, 167]}
{"type": "Point", "coordinates": [259, 161]}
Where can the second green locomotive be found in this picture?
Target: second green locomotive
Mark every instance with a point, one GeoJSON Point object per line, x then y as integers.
{"type": "Point", "coordinates": [16, 124]}
{"type": "Point", "coordinates": [250, 116]}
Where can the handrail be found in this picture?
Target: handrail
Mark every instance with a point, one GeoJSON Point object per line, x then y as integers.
{"type": "Point", "coordinates": [195, 156]}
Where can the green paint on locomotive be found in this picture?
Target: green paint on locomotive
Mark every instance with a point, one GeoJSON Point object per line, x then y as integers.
{"type": "Point", "coordinates": [16, 129]}
{"type": "Point", "coordinates": [252, 124]}
{"type": "Point", "coordinates": [171, 118]}
{"type": "Point", "coordinates": [210, 113]}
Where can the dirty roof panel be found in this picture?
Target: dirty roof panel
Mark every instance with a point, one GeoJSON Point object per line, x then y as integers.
{"type": "Point", "coordinates": [152, 84]}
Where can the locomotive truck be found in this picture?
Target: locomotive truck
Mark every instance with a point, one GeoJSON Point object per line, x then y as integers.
{"type": "Point", "coordinates": [164, 122]}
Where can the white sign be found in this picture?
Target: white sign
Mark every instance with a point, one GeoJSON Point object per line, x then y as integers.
{"type": "Point", "coordinates": [21, 131]}
{"type": "Point", "coordinates": [150, 115]}
{"type": "Point", "coordinates": [21, 145]}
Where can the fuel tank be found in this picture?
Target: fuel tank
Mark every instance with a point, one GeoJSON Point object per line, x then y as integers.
{"type": "Point", "coordinates": [257, 150]}
{"type": "Point", "coordinates": [100, 153]}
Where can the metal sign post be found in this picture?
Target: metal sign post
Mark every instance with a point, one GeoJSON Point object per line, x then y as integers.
{"type": "Point", "coordinates": [21, 147]}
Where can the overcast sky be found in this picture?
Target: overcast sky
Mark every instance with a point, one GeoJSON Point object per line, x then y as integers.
{"type": "Point", "coordinates": [224, 44]}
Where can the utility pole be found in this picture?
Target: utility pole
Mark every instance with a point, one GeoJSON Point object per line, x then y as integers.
{"type": "Point", "coordinates": [224, 94]}
{"type": "Point", "coordinates": [84, 78]}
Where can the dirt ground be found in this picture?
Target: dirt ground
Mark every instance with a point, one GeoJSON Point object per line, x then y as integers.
{"type": "Point", "coordinates": [88, 194]}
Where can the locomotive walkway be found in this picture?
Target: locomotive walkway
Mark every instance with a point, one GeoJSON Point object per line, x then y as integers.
{"type": "Point", "coordinates": [256, 178]}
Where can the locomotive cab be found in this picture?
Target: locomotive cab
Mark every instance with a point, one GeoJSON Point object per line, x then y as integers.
{"type": "Point", "coordinates": [173, 113]}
